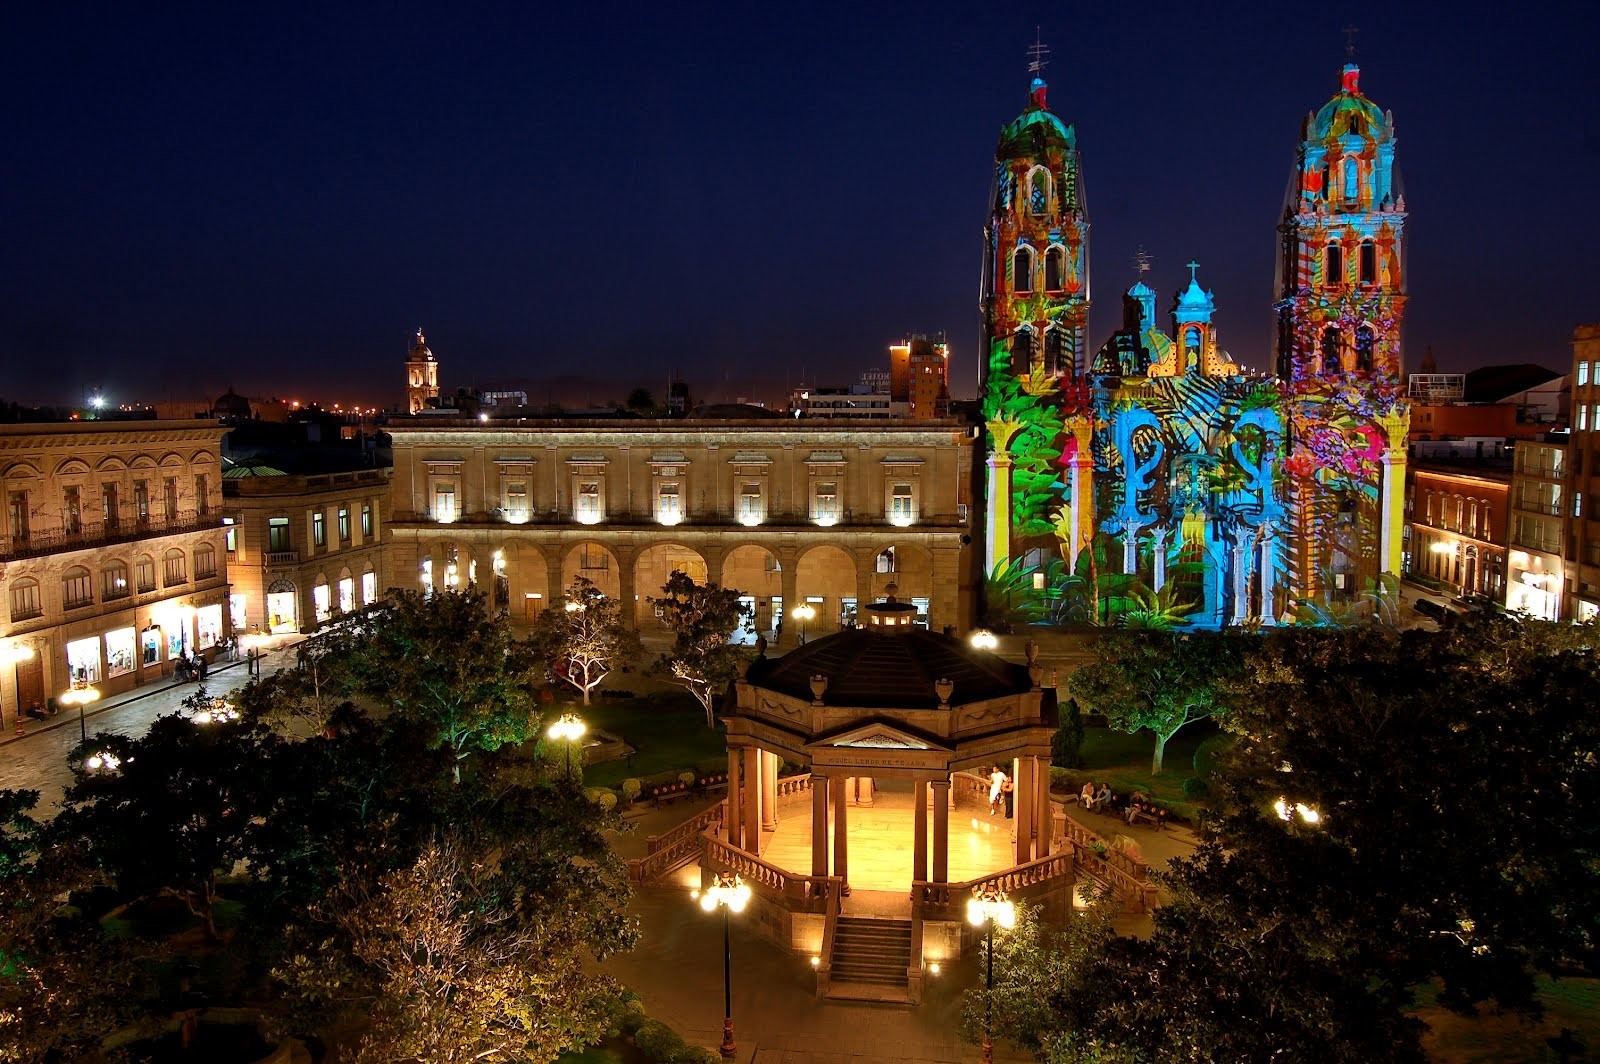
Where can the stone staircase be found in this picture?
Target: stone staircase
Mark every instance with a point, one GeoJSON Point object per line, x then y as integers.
{"type": "Point", "coordinates": [870, 958]}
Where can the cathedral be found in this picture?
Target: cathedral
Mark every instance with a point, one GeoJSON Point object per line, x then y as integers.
{"type": "Point", "coordinates": [1153, 483]}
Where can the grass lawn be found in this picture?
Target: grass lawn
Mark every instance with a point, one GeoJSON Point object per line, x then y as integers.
{"type": "Point", "coordinates": [668, 729]}
{"type": "Point", "coordinates": [1494, 1038]}
{"type": "Point", "coordinates": [1123, 760]}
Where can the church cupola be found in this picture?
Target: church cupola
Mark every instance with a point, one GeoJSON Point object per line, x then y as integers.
{"type": "Point", "coordinates": [422, 375]}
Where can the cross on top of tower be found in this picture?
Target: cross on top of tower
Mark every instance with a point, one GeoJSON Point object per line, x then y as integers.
{"type": "Point", "coordinates": [1350, 41]}
{"type": "Point", "coordinates": [1038, 55]}
{"type": "Point", "coordinates": [1193, 266]}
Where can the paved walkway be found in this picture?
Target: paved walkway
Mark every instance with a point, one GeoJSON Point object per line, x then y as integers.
{"type": "Point", "coordinates": [38, 760]}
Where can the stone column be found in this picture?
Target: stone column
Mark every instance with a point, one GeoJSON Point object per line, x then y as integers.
{"type": "Point", "coordinates": [1269, 571]}
{"type": "Point", "coordinates": [841, 852]}
{"type": "Point", "coordinates": [1044, 818]}
{"type": "Point", "coordinates": [863, 789]}
{"type": "Point", "coordinates": [819, 825]}
{"type": "Point", "coordinates": [789, 580]}
{"type": "Point", "coordinates": [752, 799]}
{"type": "Point", "coordinates": [734, 819]}
{"type": "Point", "coordinates": [1391, 507]}
{"type": "Point", "coordinates": [919, 828]}
{"type": "Point", "coordinates": [769, 791]}
{"type": "Point", "coordinates": [1158, 551]}
{"type": "Point", "coordinates": [626, 590]}
{"type": "Point", "coordinates": [866, 567]}
{"type": "Point", "coordinates": [998, 520]}
{"type": "Point", "coordinates": [1241, 577]}
{"type": "Point", "coordinates": [941, 831]}
{"type": "Point", "coordinates": [1022, 808]}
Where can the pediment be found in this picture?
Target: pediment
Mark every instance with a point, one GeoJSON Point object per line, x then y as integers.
{"type": "Point", "coordinates": [877, 736]}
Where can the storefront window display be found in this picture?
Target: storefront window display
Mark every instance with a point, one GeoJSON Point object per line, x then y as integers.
{"type": "Point", "coordinates": [208, 624]}
{"type": "Point", "coordinates": [150, 642]}
{"type": "Point", "coordinates": [369, 588]}
{"type": "Point", "coordinates": [347, 594]}
{"type": "Point", "coordinates": [236, 612]}
{"type": "Point", "coordinates": [120, 652]}
{"type": "Point", "coordinates": [83, 659]}
{"type": "Point", "coordinates": [321, 601]}
{"type": "Point", "coordinates": [176, 643]}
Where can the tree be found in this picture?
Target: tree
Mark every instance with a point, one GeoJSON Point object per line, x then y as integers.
{"type": "Point", "coordinates": [443, 663]}
{"type": "Point", "coordinates": [312, 694]}
{"type": "Point", "coordinates": [582, 637]}
{"type": "Point", "coordinates": [1156, 680]}
{"type": "Point", "coordinates": [640, 401]}
{"type": "Point", "coordinates": [703, 618]}
{"type": "Point", "coordinates": [175, 815]}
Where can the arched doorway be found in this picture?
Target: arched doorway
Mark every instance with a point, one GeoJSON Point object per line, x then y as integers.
{"type": "Point", "coordinates": [283, 607]}
{"type": "Point", "coordinates": [596, 564]}
{"type": "Point", "coordinates": [654, 567]}
{"type": "Point", "coordinates": [755, 573]}
{"type": "Point", "coordinates": [826, 580]}
{"type": "Point", "coordinates": [527, 579]}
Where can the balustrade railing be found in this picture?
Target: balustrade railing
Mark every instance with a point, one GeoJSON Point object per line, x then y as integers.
{"type": "Point", "coordinates": [792, 788]}
{"type": "Point", "coordinates": [98, 533]}
{"type": "Point", "coordinates": [796, 892]}
{"type": "Point", "coordinates": [677, 847]}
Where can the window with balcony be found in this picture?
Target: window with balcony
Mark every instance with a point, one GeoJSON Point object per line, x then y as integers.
{"type": "Point", "coordinates": [902, 505]}
{"type": "Point", "coordinates": [344, 524]}
{"type": "Point", "coordinates": [669, 503]}
{"type": "Point", "coordinates": [751, 509]}
{"type": "Point", "coordinates": [141, 501]}
{"type": "Point", "coordinates": [319, 529]}
{"type": "Point", "coordinates": [169, 498]}
{"type": "Point", "coordinates": [20, 528]}
{"type": "Point", "coordinates": [71, 511]}
{"type": "Point", "coordinates": [516, 501]}
{"type": "Point", "coordinates": [114, 582]}
{"type": "Point", "coordinates": [825, 502]}
{"type": "Point", "coordinates": [278, 535]}
{"type": "Point", "coordinates": [444, 500]}
{"type": "Point", "coordinates": [205, 562]}
{"type": "Point", "coordinates": [76, 588]}
{"type": "Point", "coordinates": [108, 505]}
{"type": "Point", "coordinates": [25, 603]}
{"type": "Point", "coordinates": [589, 508]}
{"type": "Point", "coordinates": [144, 571]}
{"type": "Point", "coordinates": [174, 569]}
{"type": "Point", "coordinates": [202, 494]}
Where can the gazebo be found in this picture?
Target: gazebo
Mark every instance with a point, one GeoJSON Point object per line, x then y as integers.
{"type": "Point", "coordinates": [895, 726]}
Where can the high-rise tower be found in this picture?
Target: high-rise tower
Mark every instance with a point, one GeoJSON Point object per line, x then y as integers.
{"type": "Point", "coordinates": [1340, 301]}
{"type": "Point", "coordinates": [1036, 247]}
{"type": "Point", "coordinates": [422, 375]}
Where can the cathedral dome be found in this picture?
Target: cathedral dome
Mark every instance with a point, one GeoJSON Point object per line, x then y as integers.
{"type": "Point", "coordinates": [1032, 133]}
{"type": "Point", "coordinates": [231, 404]}
{"type": "Point", "coordinates": [1349, 108]}
{"type": "Point", "coordinates": [420, 351]}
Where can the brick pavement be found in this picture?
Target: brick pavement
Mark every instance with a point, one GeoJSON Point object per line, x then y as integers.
{"type": "Point", "coordinates": [38, 760]}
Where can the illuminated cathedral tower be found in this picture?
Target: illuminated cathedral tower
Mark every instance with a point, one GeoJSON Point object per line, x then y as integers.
{"type": "Point", "coordinates": [1036, 247]}
{"type": "Point", "coordinates": [422, 375]}
{"type": "Point", "coordinates": [1340, 301]}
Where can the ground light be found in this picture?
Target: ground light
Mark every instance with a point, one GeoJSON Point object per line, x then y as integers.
{"type": "Point", "coordinates": [728, 892]}
{"type": "Point", "coordinates": [987, 907]}
{"type": "Point", "coordinates": [570, 728]}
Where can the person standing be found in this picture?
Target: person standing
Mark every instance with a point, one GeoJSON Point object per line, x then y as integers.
{"type": "Point", "coordinates": [997, 786]}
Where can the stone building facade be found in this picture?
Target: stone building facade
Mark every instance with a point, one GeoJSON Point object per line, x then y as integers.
{"type": "Point", "coordinates": [829, 513]}
{"type": "Point", "coordinates": [1534, 578]}
{"type": "Point", "coordinates": [303, 548]}
{"type": "Point", "coordinates": [1459, 523]}
{"type": "Point", "coordinates": [112, 560]}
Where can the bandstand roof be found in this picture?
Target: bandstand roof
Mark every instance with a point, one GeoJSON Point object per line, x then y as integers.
{"type": "Point", "coordinates": [890, 670]}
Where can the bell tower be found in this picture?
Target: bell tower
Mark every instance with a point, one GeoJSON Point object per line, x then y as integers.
{"type": "Point", "coordinates": [1341, 298]}
{"type": "Point", "coordinates": [422, 375]}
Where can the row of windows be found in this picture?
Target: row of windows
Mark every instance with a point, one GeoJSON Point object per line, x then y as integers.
{"type": "Point", "coordinates": [20, 505]}
{"type": "Point", "coordinates": [281, 538]}
{"type": "Point", "coordinates": [1023, 268]}
{"type": "Point", "coordinates": [1458, 513]}
{"type": "Point", "coordinates": [1366, 259]}
{"type": "Point", "coordinates": [1333, 350]}
{"type": "Point", "coordinates": [77, 583]}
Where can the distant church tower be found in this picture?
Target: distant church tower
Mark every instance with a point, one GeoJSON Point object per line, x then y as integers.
{"type": "Point", "coordinates": [1035, 286]}
{"type": "Point", "coordinates": [1341, 297]}
{"type": "Point", "coordinates": [422, 375]}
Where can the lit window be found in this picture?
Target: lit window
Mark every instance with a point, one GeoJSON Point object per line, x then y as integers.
{"type": "Point", "coordinates": [1583, 417]}
{"type": "Point", "coordinates": [886, 560]}
{"type": "Point", "coordinates": [751, 510]}
{"type": "Point", "coordinates": [369, 588]}
{"type": "Point", "coordinates": [230, 535]}
{"type": "Point", "coordinates": [825, 503]}
{"type": "Point", "coordinates": [322, 602]}
{"type": "Point", "coordinates": [278, 534]}
{"type": "Point", "coordinates": [589, 508]}
{"type": "Point", "coordinates": [114, 581]}
{"type": "Point", "coordinates": [444, 501]}
{"type": "Point", "coordinates": [517, 501]}
{"type": "Point", "coordinates": [347, 594]}
{"type": "Point", "coordinates": [344, 524]}
{"type": "Point", "coordinates": [669, 506]}
{"type": "Point", "coordinates": [366, 520]}
{"type": "Point", "coordinates": [319, 531]}
{"type": "Point", "coordinates": [901, 505]}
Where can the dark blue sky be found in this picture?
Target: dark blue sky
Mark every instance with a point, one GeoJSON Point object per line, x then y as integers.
{"type": "Point", "coordinates": [198, 196]}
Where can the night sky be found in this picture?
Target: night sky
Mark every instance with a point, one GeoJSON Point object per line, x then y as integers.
{"type": "Point", "coordinates": [201, 196]}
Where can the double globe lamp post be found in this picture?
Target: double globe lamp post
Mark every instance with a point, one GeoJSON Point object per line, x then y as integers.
{"type": "Point", "coordinates": [987, 907]}
{"type": "Point", "coordinates": [81, 694]}
{"type": "Point", "coordinates": [729, 893]}
{"type": "Point", "coordinates": [804, 613]}
{"type": "Point", "coordinates": [571, 729]}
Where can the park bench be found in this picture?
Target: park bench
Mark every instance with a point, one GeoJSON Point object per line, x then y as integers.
{"type": "Point", "coordinates": [1156, 818]}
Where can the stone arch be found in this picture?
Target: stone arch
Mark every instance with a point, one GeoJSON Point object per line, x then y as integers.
{"type": "Point", "coordinates": [826, 572]}
{"type": "Point", "coordinates": [755, 572]}
{"type": "Point", "coordinates": [595, 562]}
{"type": "Point", "coordinates": [652, 568]}
{"type": "Point", "coordinates": [283, 607]}
{"type": "Point", "coordinates": [912, 575]}
{"type": "Point", "coordinates": [527, 577]}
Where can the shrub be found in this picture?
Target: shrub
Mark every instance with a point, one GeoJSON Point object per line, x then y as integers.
{"type": "Point", "coordinates": [1066, 744]}
{"type": "Point", "coordinates": [686, 778]}
{"type": "Point", "coordinates": [630, 790]}
{"type": "Point", "coordinates": [655, 1039]}
{"type": "Point", "coordinates": [606, 799]}
{"type": "Point", "coordinates": [1063, 779]}
{"type": "Point", "coordinates": [1206, 754]}
{"type": "Point", "coordinates": [699, 1055]}
{"type": "Point", "coordinates": [1196, 788]}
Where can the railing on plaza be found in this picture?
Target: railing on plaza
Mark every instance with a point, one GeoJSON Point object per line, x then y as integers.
{"type": "Point", "coordinates": [673, 849]}
{"type": "Point", "coordinates": [830, 927]}
{"type": "Point", "coordinates": [947, 901]}
{"type": "Point", "coordinates": [791, 788]}
{"type": "Point", "coordinates": [99, 533]}
{"type": "Point", "coordinates": [796, 892]}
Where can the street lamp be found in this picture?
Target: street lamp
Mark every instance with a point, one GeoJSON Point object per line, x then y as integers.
{"type": "Point", "coordinates": [989, 906]}
{"type": "Point", "coordinates": [81, 695]}
{"type": "Point", "coordinates": [730, 892]}
{"type": "Point", "coordinates": [570, 728]}
{"type": "Point", "coordinates": [1287, 810]}
{"type": "Point", "coordinates": [218, 711]}
{"type": "Point", "coordinates": [983, 639]}
{"type": "Point", "coordinates": [252, 653]}
{"type": "Point", "coordinates": [803, 613]}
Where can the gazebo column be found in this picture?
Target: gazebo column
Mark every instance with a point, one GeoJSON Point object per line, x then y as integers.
{"type": "Point", "coordinates": [1045, 818]}
{"type": "Point", "coordinates": [819, 825]}
{"type": "Point", "coordinates": [941, 830]}
{"type": "Point", "coordinates": [841, 853]}
{"type": "Point", "coordinates": [733, 819]}
{"type": "Point", "coordinates": [919, 825]}
{"type": "Point", "coordinates": [769, 791]}
{"type": "Point", "coordinates": [752, 799]}
{"type": "Point", "coordinates": [863, 789]}
{"type": "Point", "coordinates": [1022, 809]}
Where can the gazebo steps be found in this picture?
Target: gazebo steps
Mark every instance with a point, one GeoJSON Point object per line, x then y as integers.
{"type": "Point", "coordinates": [871, 957]}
